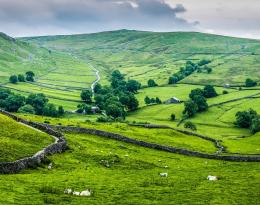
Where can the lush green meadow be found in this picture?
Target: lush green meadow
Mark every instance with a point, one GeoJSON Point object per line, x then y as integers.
{"type": "Point", "coordinates": [18, 141]}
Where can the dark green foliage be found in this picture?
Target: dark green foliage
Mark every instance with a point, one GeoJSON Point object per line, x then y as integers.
{"type": "Point", "coordinates": [38, 101]}
{"type": "Point", "coordinates": [201, 103]}
{"type": "Point", "coordinates": [196, 92]}
{"type": "Point", "coordinates": [151, 83]}
{"type": "Point", "coordinates": [204, 62]}
{"type": "Point", "coordinates": [225, 92]}
{"type": "Point", "coordinates": [27, 109]}
{"type": "Point", "coordinates": [158, 100]}
{"type": "Point", "coordinates": [14, 102]}
{"type": "Point", "coordinates": [173, 80]}
{"type": "Point", "coordinates": [50, 110]}
{"type": "Point", "coordinates": [173, 117]}
{"type": "Point", "coordinates": [133, 86]}
{"type": "Point", "coordinates": [61, 111]}
{"type": "Point", "coordinates": [190, 125]}
{"type": "Point", "coordinates": [147, 100]}
{"type": "Point", "coordinates": [255, 125]}
{"type": "Point", "coordinates": [97, 88]}
{"type": "Point", "coordinates": [29, 76]}
{"type": "Point", "coordinates": [244, 118]}
{"type": "Point", "coordinates": [190, 108]}
{"type": "Point", "coordinates": [88, 109]}
{"type": "Point", "coordinates": [21, 78]}
{"type": "Point", "coordinates": [13, 79]}
{"type": "Point", "coordinates": [209, 91]}
{"type": "Point", "coordinates": [86, 95]}
{"type": "Point", "coordinates": [250, 83]}
{"type": "Point", "coordinates": [209, 70]}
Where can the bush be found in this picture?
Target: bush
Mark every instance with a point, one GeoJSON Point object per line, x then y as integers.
{"type": "Point", "coordinates": [27, 109]}
{"type": "Point", "coordinates": [173, 117]}
{"type": "Point", "coordinates": [61, 111]}
{"type": "Point", "coordinates": [244, 119]}
{"type": "Point", "coordinates": [13, 79]}
{"type": "Point", "coordinates": [104, 119]}
{"type": "Point", "coordinates": [255, 125]}
{"type": "Point", "coordinates": [225, 92]}
{"type": "Point", "coordinates": [190, 125]}
{"type": "Point", "coordinates": [209, 91]}
{"type": "Point", "coordinates": [250, 83]}
{"type": "Point", "coordinates": [86, 95]}
{"type": "Point", "coordinates": [151, 83]}
{"type": "Point", "coordinates": [50, 110]}
{"type": "Point", "coordinates": [21, 78]}
{"type": "Point", "coordinates": [190, 108]}
{"type": "Point", "coordinates": [30, 76]}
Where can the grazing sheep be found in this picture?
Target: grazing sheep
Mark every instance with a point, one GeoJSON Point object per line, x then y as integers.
{"type": "Point", "coordinates": [76, 193]}
{"type": "Point", "coordinates": [67, 191]}
{"type": "Point", "coordinates": [85, 193]}
{"type": "Point", "coordinates": [50, 166]}
{"type": "Point", "coordinates": [163, 174]}
{"type": "Point", "coordinates": [212, 178]}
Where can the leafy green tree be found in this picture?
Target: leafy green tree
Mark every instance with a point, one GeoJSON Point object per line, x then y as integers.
{"type": "Point", "coordinates": [50, 110]}
{"type": "Point", "coordinates": [190, 125]}
{"type": "Point", "coordinates": [173, 80]}
{"type": "Point", "coordinates": [190, 108]}
{"type": "Point", "coordinates": [151, 83]}
{"type": "Point", "coordinates": [27, 109]}
{"type": "Point", "coordinates": [61, 111]}
{"type": "Point", "coordinates": [116, 75]}
{"type": "Point", "coordinates": [133, 86]}
{"type": "Point", "coordinates": [30, 76]}
{"type": "Point", "coordinates": [86, 95]}
{"type": "Point", "coordinates": [196, 92]}
{"type": "Point", "coordinates": [38, 101]}
{"type": "Point", "coordinates": [255, 125]}
{"type": "Point", "coordinates": [209, 70]}
{"type": "Point", "coordinates": [201, 103]}
{"type": "Point", "coordinates": [21, 78]}
{"type": "Point", "coordinates": [13, 79]}
{"type": "Point", "coordinates": [147, 100]}
{"type": "Point", "coordinates": [14, 102]}
{"type": "Point", "coordinates": [158, 101]}
{"type": "Point", "coordinates": [173, 117]}
{"type": "Point", "coordinates": [88, 110]}
{"type": "Point", "coordinates": [244, 118]}
{"type": "Point", "coordinates": [225, 92]}
{"type": "Point", "coordinates": [250, 83]}
{"type": "Point", "coordinates": [4, 93]}
{"type": "Point", "coordinates": [97, 88]}
{"type": "Point", "coordinates": [115, 111]}
{"type": "Point", "coordinates": [81, 108]}
{"type": "Point", "coordinates": [209, 91]}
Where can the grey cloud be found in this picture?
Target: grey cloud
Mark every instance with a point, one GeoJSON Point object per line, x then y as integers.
{"type": "Point", "coordinates": [79, 16]}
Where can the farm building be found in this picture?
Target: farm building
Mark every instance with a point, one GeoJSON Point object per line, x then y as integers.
{"type": "Point", "coordinates": [173, 100]}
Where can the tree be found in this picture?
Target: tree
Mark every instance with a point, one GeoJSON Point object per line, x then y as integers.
{"type": "Point", "coordinates": [244, 118]}
{"type": "Point", "coordinates": [147, 100]}
{"type": "Point", "coordinates": [30, 76]}
{"type": "Point", "coordinates": [255, 125]}
{"type": "Point", "coordinates": [81, 108]}
{"type": "Point", "coordinates": [209, 70]}
{"type": "Point", "coordinates": [250, 83]}
{"type": "Point", "coordinates": [21, 78]}
{"type": "Point", "coordinates": [209, 91]}
{"type": "Point", "coordinates": [86, 95]}
{"type": "Point", "coordinates": [88, 109]}
{"type": "Point", "coordinates": [97, 88]}
{"type": "Point", "coordinates": [158, 101]}
{"type": "Point", "coordinates": [116, 75]}
{"type": "Point", "coordinates": [50, 110]}
{"type": "Point", "coordinates": [195, 92]}
{"type": "Point", "coordinates": [14, 102]}
{"type": "Point", "coordinates": [190, 125]}
{"type": "Point", "coordinates": [151, 83]}
{"type": "Point", "coordinates": [201, 103]}
{"type": "Point", "coordinates": [133, 86]}
{"type": "Point", "coordinates": [190, 108]}
{"type": "Point", "coordinates": [27, 109]}
{"type": "Point", "coordinates": [61, 111]}
{"type": "Point", "coordinates": [173, 117]}
{"type": "Point", "coordinates": [225, 92]}
{"type": "Point", "coordinates": [38, 101]}
{"type": "Point", "coordinates": [173, 80]}
{"type": "Point", "coordinates": [13, 79]}
{"type": "Point", "coordinates": [115, 111]}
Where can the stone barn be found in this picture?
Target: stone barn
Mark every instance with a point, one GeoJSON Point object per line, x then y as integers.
{"type": "Point", "coordinates": [173, 100]}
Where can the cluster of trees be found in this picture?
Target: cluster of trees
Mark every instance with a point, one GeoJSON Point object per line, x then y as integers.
{"type": "Point", "coordinates": [189, 68]}
{"type": "Point", "coordinates": [115, 100]}
{"type": "Point", "coordinates": [198, 101]}
{"type": "Point", "coordinates": [149, 101]}
{"type": "Point", "coordinates": [33, 104]}
{"type": "Point", "coordinates": [250, 83]}
{"type": "Point", "coordinates": [248, 119]}
{"type": "Point", "coordinates": [190, 125]}
{"type": "Point", "coordinates": [29, 76]}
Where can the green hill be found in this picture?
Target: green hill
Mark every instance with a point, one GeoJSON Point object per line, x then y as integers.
{"type": "Point", "coordinates": [143, 55]}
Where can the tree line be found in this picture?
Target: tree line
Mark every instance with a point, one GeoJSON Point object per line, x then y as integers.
{"type": "Point", "coordinates": [29, 76]}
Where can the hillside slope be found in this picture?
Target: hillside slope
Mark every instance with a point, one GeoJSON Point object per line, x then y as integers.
{"type": "Point", "coordinates": [143, 55]}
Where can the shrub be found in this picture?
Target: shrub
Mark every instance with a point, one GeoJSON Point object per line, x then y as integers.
{"type": "Point", "coordinates": [225, 92]}
{"type": "Point", "coordinates": [209, 91]}
{"type": "Point", "coordinates": [21, 78]}
{"type": "Point", "coordinates": [151, 83]}
{"type": "Point", "coordinates": [50, 110]}
{"type": "Point", "coordinates": [244, 119]}
{"type": "Point", "coordinates": [13, 79]}
{"type": "Point", "coordinates": [27, 109]}
{"type": "Point", "coordinates": [30, 76]}
{"type": "Point", "coordinates": [190, 108]}
{"type": "Point", "coordinates": [173, 117]}
{"type": "Point", "coordinates": [250, 83]}
{"type": "Point", "coordinates": [255, 125]}
{"type": "Point", "coordinates": [190, 125]}
{"type": "Point", "coordinates": [61, 111]}
{"type": "Point", "coordinates": [86, 95]}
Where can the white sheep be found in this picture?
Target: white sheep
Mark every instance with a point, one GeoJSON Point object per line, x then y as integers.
{"type": "Point", "coordinates": [212, 178]}
{"type": "Point", "coordinates": [50, 166]}
{"type": "Point", "coordinates": [67, 191]}
{"type": "Point", "coordinates": [85, 193]}
{"type": "Point", "coordinates": [163, 174]}
{"type": "Point", "coordinates": [76, 193]}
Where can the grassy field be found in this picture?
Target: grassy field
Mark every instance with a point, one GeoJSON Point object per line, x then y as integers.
{"type": "Point", "coordinates": [18, 141]}
{"type": "Point", "coordinates": [132, 178]}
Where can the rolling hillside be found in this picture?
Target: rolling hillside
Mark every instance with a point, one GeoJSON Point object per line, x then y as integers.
{"type": "Point", "coordinates": [143, 55]}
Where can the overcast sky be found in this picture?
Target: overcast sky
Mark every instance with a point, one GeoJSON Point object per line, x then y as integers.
{"type": "Point", "coordinates": [50, 17]}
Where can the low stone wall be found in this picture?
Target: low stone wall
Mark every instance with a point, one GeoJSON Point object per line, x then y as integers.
{"type": "Point", "coordinates": [58, 146]}
{"type": "Point", "coordinates": [156, 146]}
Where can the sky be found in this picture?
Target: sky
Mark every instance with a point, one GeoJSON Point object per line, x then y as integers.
{"type": "Point", "coordinates": [52, 17]}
